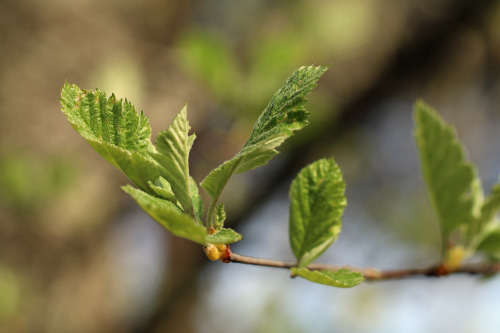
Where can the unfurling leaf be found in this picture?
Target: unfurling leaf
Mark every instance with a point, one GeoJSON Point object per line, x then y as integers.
{"type": "Point", "coordinates": [173, 147]}
{"type": "Point", "coordinates": [342, 278]}
{"type": "Point", "coordinates": [196, 199]}
{"type": "Point", "coordinates": [163, 189]}
{"type": "Point", "coordinates": [451, 180]}
{"type": "Point", "coordinates": [490, 207]}
{"type": "Point", "coordinates": [490, 244]}
{"type": "Point", "coordinates": [317, 204]}
{"type": "Point", "coordinates": [220, 216]}
{"type": "Point", "coordinates": [283, 115]}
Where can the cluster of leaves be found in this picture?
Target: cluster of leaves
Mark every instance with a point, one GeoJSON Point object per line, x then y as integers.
{"type": "Point", "coordinates": [167, 192]}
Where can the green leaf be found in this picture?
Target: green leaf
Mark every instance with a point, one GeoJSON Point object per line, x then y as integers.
{"type": "Point", "coordinates": [169, 216]}
{"type": "Point", "coordinates": [490, 207]}
{"type": "Point", "coordinates": [283, 115]}
{"type": "Point", "coordinates": [486, 237]}
{"type": "Point", "coordinates": [196, 199]}
{"type": "Point", "coordinates": [220, 216]}
{"type": "Point", "coordinates": [490, 244]}
{"type": "Point", "coordinates": [285, 112]}
{"type": "Point", "coordinates": [451, 180]}
{"type": "Point", "coordinates": [245, 160]}
{"type": "Point", "coordinates": [114, 129]}
{"type": "Point", "coordinates": [317, 204]}
{"type": "Point", "coordinates": [163, 189]}
{"type": "Point", "coordinates": [224, 236]}
{"type": "Point", "coordinates": [343, 278]}
{"type": "Point", "coordinates": [99, 118]}
{"type": "Point", "coordinates": [173, 146]}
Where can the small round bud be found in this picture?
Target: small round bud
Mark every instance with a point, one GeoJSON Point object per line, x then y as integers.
{"type": "Point", "coordinates": [215, 251]}
{"type": "Point", "coordinates": [212, 252]}
{"type": "Point", "coordinates": [454, 258]}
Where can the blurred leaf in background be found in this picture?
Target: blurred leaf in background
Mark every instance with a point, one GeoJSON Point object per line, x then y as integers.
{"type": "Point", "coordinates": [28, 183]}
{"type": "Point", "coordinates": [10, 289]}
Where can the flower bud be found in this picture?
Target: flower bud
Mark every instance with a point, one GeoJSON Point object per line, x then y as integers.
{"type": "Point", "coordinates": [212, 252]}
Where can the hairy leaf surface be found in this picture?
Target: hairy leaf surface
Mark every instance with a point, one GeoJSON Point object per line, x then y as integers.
{"type": "Point", "coordinates": [115, 130]}
{"type": "Point", "coordinates": [451, 179]}
{"type": "Point", "coordinates": [224, 236]}
{"type": "Point", "coordinates": [343, 278]}
{"type": "Point", "coordinates": [317, 204]}
{"type": "Point", "coordinates": [220, 216]}
{"type": "Point", "coordinates": [283, 115]}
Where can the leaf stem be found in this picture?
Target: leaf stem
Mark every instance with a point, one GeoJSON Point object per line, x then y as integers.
{"type": "Point", "coordinates": [373, 274]}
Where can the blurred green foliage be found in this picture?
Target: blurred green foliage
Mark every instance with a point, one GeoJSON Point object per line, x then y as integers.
{"type": "Point", "coordinates": [28, 182]}
{"type": "Point", "coordinates": [10, 291]}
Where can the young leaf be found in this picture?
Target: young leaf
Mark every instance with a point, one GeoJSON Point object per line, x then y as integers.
{"type": "Point", "coordinates": [169, 216]}
{"type": "Point", "coordinates": [163, 189]}
{"type": "Point", "coordinates": [173, 146]}
{"type": "Point", "coordinates": [196, 199]}
{"type": "Point", "coordinates": [490, 244]}
{"type": "Point", "coordinates": [343, 278]}
{"type": "Point", "coordinates": [224, 236]}
{"type": "Point", "coordinates": [285, 112]}
{"type": "Point", "coordinates": [451, 179]}
{"type": "Point", "coordinates": [114, 129]}
{"type": "Point", "coordinates": [488, 238]}
{"type": "Point", "coordinates": [490, 207]}
{"type": "Point", "coordinates": [317, 204]}
{"type": "Point", "coordinates": [283, 115]}
{"type": "Point", "coordinates": [220, 216]}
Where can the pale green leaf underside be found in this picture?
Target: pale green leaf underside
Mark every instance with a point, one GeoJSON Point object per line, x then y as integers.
{"type": "Point", "coordinates": [173, 146]}
{"type": "Point", "coordinates": [283, 115]}
{"type": "Point", "coordinates": [451, 179]}
{"type": "Point", "coordinates": [488, 237]}
{"type": "Point", "coordinates": [491, 243]}
{"type": "Point", "coordinates": [114, 129]}
{"type": "Point", "coordinates": [174, 220]}
{"type": "Point", "coordinates": [343, 278]}
{"type": "Point", "coordinates": [224, 236]}
{"type": "Point", "coordinates": [196, 199]}
{"type": "Point", "coordinates": [490, 207]}
{"type": "Point", "coordinates": [163, 189]}
{"type": "Point", "coordinates": [169, 216]}
{"type": "Point", "coordinates": [317, 204]}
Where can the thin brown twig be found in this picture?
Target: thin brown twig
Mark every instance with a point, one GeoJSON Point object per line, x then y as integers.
{"type": "Point", "coordinates": [372, 274]}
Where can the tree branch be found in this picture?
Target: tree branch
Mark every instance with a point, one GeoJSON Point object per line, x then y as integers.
{"type": "Point", "coordinates": [372, 274]}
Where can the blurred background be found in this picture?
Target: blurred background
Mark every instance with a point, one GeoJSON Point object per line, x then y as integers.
{"type": "Point", "coordinates": [77, 255]}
